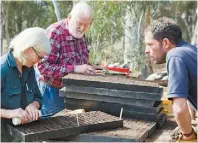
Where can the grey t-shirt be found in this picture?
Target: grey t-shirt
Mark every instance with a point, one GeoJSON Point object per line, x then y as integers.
{"type": "Point", "coordinates": [181, 65]}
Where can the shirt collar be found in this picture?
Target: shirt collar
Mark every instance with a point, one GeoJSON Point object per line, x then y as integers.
{"type": "Point", "coordinates": [11, 59]}
{"type": "Point", "coordinates": [12, 63]}
{"type": "Point", "coordinates": [181, 43]}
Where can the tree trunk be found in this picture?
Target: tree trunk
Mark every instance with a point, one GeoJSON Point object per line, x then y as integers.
{"type": "Point", "coordinates": [57, 10]}
{"type": "Point", "coordinates": [131, 30]}
{"type": "Point", "coordinates": [149, 63]}
{"type": "Point", "coordinates": [2, 24]}
{"type": "Point", "coordinates": [7, 35]}
{"type": "Point", "coordinates": [194, 40]}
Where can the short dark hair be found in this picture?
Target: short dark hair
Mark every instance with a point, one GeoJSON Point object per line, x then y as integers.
{"type": "Point", "coordinates": [165, 27]}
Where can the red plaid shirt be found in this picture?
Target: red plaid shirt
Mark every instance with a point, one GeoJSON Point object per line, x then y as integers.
{"type": "Point", "coordinates": [66, 52]}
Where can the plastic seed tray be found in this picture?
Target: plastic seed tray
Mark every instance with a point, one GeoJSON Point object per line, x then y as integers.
{"type": "Point", "coordinates": [132, 131]}
{"type": "Point", "coordinates": [90, 105]}
{"type": "Point", "coordinates": [109, 99]}
{"type": "Point", "coordinates": [129, 113]}
{"type": "Point", "coordinates": [111, 82]}
{"type": "Point", "coordinates": [129, 94]}
{"type": "Point", "coordinates": [65, 125]}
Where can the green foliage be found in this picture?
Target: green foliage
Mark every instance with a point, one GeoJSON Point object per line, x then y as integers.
{"type": "Point", "coordinates": [108, 26]}
{"type": "Point", "coordinates": [19, 15]}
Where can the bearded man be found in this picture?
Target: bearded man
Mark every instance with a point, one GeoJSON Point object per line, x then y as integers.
{"type": "Point", "coordinates": [69, 54]}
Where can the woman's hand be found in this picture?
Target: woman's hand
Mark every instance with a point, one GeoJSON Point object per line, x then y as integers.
{"type": "Point", "coordinates": [33, 112]}
{"type": "Point", "coordinates": [22, 114]}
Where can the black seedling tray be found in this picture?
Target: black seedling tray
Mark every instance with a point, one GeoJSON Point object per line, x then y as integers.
{"type": "Point", "coordinates": [63, 126]}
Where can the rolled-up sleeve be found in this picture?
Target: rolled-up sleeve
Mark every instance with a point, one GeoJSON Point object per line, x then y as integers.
{"type": "Point", "coordinates": [49, 66]}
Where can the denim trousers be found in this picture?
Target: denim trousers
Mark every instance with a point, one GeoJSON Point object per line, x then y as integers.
{"type": "Point", "coordinates": [52, 102]}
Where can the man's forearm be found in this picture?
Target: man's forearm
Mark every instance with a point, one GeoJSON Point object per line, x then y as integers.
{"type": "Point", "coordinates": [182, 115]}
{"type": "Point", "coordinates": [55, 70]}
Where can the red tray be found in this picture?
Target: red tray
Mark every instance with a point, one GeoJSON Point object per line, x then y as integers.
{"type": "Point", "coordinates": [122, 70]}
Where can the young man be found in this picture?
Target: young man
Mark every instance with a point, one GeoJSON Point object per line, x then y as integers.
{"type": "Point", "coordinates": [164, 43]}
{"type": "Point", "coordinates": [69, 54]}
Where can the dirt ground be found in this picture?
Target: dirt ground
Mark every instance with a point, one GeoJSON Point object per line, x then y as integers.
{"type": "Point", "coordinates": [162, 135]}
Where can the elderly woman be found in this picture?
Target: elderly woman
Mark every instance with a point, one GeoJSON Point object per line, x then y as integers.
{"type": "Point", "coordinates": [20, 96]}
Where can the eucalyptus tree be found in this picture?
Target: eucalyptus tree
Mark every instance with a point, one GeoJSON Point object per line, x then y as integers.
{"type": "Point", "coordinates": [1, 26]}
{"type": "Point", "coordinates": [126, 21]}
{"type": "Point", "coordinates": [114, 22]}
{"type": "Point", "coordinates": [18, 15]}
{"type": "Point", "coordinates": [106, 29]}
{"type": "Point", "coordinates": [183, 12]}
{"type": "Point", "coordinates": [57, 10]}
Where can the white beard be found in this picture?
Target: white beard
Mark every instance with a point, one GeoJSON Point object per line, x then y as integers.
{"type": "Point", "coordinates": [75, 33]}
